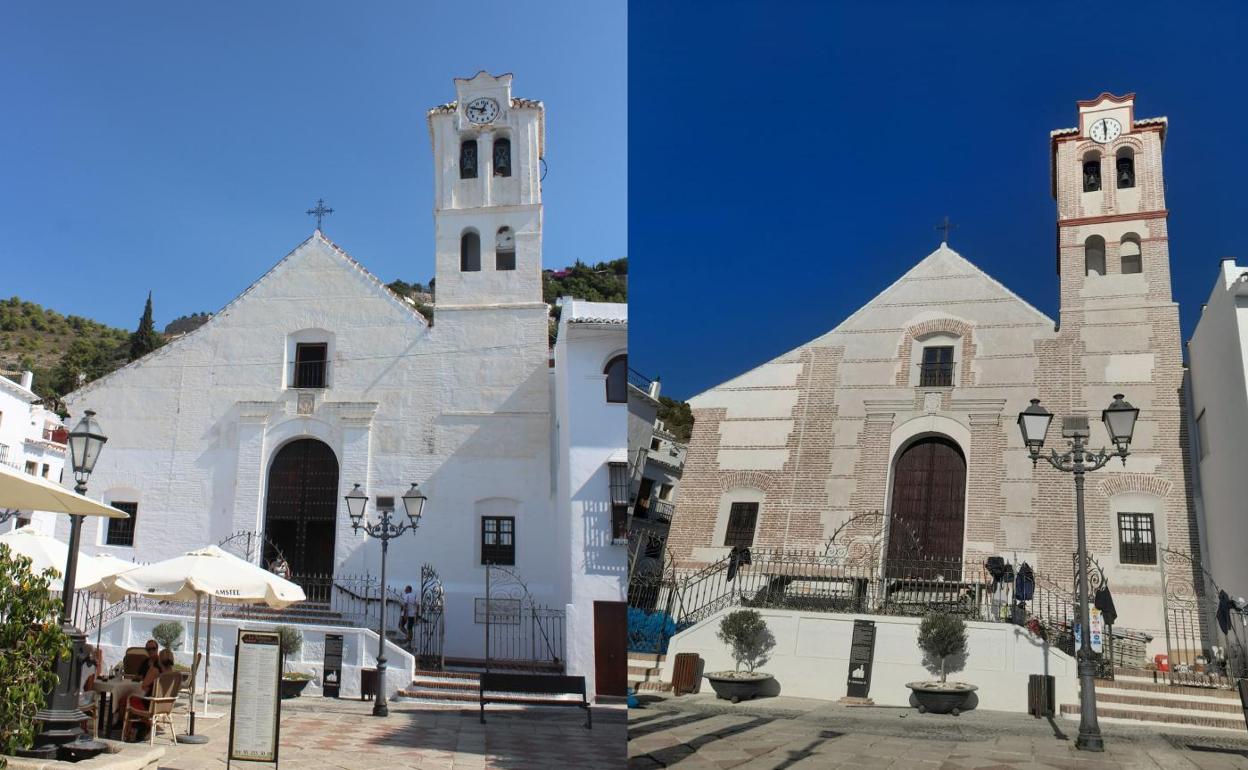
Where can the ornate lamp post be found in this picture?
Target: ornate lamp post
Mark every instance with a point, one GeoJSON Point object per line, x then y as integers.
{"type": "Point", "coordinates": [61, 715]}
{"type": "Point", "coordinates": [1119, 418]}
{"type": "Point", "coordinates": [384, 529]}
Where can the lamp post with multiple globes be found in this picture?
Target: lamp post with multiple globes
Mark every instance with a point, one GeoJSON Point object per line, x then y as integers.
{"type": "Point", "coordinates": [1119, 419]}
{"type": "Point", "coordinates": [384, 529]}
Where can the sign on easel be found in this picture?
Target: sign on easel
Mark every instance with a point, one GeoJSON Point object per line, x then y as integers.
{"type": "Point", "coordinates": [256, 709]}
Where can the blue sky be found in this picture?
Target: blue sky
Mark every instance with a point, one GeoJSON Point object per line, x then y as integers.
{"type": "Point", "coordinates": [176, 146]}
{"type": "Point", "coordinates": [789, 160]}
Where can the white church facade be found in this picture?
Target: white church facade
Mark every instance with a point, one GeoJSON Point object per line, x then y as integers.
{"type": "Point", "coordinates": [902, 419]}
{"type": "Point", "coordinates": [317, 378]}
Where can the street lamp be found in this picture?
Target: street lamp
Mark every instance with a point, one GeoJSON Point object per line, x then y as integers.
{"type": "Point", "coordinates": [1119, 418]}
{"type": "Point", "coordinates": [61, 715]}
{"type": "Point", "coordinates": [384, 529]}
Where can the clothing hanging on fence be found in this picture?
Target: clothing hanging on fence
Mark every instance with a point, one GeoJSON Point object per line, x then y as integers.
{"type": "Point", "coordinates": [1103, 600]}
{"type": "Point", "coordinates": [739, 557]}
{"type": "Point", "coordinates": [1224, 612]}
{"type": "Point", "coordinates": [999, 569]}
{"type": "Point", "coordinates": [1024, 583]}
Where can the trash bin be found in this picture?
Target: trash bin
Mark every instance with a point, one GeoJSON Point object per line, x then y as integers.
{"type": "Point", "coordinates": [368, 683]}
{"type": "Point", "coordinates": [1041, 695]}
{"type": "Point", "coordinates": [685, 673]}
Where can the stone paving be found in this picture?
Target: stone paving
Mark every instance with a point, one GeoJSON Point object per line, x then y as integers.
{"type": "Point", "coordinates": [697, 732]}
{"type": "Point", "coordinates": [329, 734]}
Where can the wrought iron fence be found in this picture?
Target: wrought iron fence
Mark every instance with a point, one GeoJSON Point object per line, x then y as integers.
{"type": "Point", "coordinates": [519, 632]}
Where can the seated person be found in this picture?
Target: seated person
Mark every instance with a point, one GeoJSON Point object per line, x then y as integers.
{"type": "Point", "coordinates": [153, 653]}
{"type": "Point", "coordinates": [162, 665]}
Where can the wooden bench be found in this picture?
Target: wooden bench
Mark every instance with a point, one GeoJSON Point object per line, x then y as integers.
{"type": "Point", "coordinates": [503, 688]}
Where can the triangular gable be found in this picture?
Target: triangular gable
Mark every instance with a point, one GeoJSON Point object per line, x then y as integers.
{"type": "Point", "coordinates": [409, 312]}
{"type": "Point", "coordinates": [940, 263]}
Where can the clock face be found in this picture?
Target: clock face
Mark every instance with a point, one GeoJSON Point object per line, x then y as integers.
{"type": "Point", "coordinates": [1105, 130]}
{"type": "Point", "coordinates": [482, 110]}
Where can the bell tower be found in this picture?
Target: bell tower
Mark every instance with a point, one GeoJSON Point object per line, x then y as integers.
{"type": "Point", "coordinates": [487, 152]}
{"type": "Point", "coordinates": [1111, 207]}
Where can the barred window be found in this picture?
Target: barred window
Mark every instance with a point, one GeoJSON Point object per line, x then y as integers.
{"type": "Point", "coordinates": [742, 518]}
{"type": "Point", "coordinates": [618, 480]}
{"type": "Point", "coordinates": [468, 159]}
{"type": "Point", "coordinates": [937, 367]}
{"type": "Point", "coordinates": [121, 531]}
{"type": "Point", "coordinates": [498, 540]}
{"type": "Point", "coordinates": [1136, 544]}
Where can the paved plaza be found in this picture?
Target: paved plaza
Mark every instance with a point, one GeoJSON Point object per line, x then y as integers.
{"type": "Point", "coordinates": [697, 732]}
{"type": "Point", "coordinates": [328, 734]}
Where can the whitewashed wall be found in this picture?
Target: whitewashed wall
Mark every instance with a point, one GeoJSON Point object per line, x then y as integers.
{"type": "Point", "coordinates": [359, 650]}
{"type": "Point", "coordinates": [811, 658]}
{"type": "Point", "coordinates": [591, 433]}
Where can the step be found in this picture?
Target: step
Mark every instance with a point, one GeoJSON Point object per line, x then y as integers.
{"type": "Point", "coordinates": [445, 685]}
{"type": "Point", "coordinates": [1132, 684]}
{"type": "Point", "coordinates": [645, 658]}
{"type": "Point", "coordinates": [1159, 717]}
{"type": "Point", "coordinates": [644, 670]}
{"type": "Point", "coordinates": [1168, 705]}
{"type": "Point", "coordinates": [472, 676]}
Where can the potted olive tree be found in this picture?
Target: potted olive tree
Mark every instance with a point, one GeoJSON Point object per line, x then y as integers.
{"type": "Point", "coordinates": [747, 636]}
{"type": "Point", "coordinates": [942, 637]}
{"type": "Point", "coordinates": [293, 682]}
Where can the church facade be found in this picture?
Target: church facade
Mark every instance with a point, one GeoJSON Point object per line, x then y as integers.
{"type": "Point", "coordinates": [907, 409]}
{"type": "Point", "coordinates": [318, 378]}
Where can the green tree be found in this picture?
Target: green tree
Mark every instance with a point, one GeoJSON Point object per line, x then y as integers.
{"type": "Point", "coordinates": [677, 417]}
{"type": "Point", "coordinates": [169, 634]}
{"type": "Point", "coordinates": [941, 636]}
{"type": "Point", "coordinates": [30, 637]}
{"type": "Point", "coordinates": [145, 339]}
{"type": "Point", "coordinates": [747, 636]}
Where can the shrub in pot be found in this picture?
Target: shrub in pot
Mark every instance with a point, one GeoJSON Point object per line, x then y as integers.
{"type": "Point", "coordinates": [291, 642]}
{"type": "Point", "coordinates": [747, 636]}
{"type": "Point", "coordinates": [942, 637]}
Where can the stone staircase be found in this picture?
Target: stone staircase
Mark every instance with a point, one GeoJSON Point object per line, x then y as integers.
{"type": "Point", "coordinates": [303, 612]}
{"type": "Point", "coordinates": [1133, 697]}
{"type": "Point", "coordinates": [645, 671]}
{"type": "Point", "coordinates": [460, 685]}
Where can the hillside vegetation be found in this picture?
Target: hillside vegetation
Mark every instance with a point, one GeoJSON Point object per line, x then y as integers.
{"type": "Point", "coordinates": [57, 347]}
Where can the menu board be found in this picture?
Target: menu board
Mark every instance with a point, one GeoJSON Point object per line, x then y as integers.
{"type": "Point", "coordinates": [861, 656]}
{"type": "Point", "coordinates": [331, 679]}
{"type": "Point", "coordinates": [256, 708]}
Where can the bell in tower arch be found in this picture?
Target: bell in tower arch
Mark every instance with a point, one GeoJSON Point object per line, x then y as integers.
{"type": "Point", "coordinates": [502, 157]}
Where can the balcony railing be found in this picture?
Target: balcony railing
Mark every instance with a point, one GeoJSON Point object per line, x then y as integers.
{"type": "Point", "coordinates": [662, 509]}
{"type": "Point", "coordinates": [309, 374]}
{"type": "Point", "coordinates": [936, 375]}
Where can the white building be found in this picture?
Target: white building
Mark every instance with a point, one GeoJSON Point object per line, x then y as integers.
{"type": "Point", "coordinates": [32, 439]}
{"type": "Point", "coordinates": [592, 493]}
{"type": "Point", "coordinates": [317, 378]}
{"type": "Point", "coordinates": [1218, 376]}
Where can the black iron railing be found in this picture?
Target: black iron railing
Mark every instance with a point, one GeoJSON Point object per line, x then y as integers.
{"type": "Point", "coordinates": [935, 374]}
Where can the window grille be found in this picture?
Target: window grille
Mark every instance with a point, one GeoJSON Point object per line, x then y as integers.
{"type": "Point", "coordinates": [1136, 544]}
{"type": "Point", "coordinates": [937, 368]}
{"type": "Point", "coordinates": [468, 159]}
{"type": "Point", "coordinates": [310, 364]}
{"type": "Point", "coordinates": [121, 531]}
{"type": "Point", "coordinates": [742, 518]}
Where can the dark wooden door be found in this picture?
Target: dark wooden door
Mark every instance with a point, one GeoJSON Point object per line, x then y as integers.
{"type": "Point", "coordinates": [301, 507]}
{"type": "Point", "coordinates": [611, 648]}
{"type": "Point", "coordinates": [929, 504]}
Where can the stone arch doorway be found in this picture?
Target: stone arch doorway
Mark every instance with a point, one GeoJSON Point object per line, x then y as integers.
{"type": "Point", "coordinates": [301, 509]}
{"type": "Point", "coordinates": [928, 513]}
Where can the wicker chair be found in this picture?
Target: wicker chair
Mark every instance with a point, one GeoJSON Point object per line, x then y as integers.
{"type": "Point", "coordinates": [159, 709]}
{"type": "Point", "coordinates": [133, 659]}
{"type": "Point", "coordinates": [184, 695]}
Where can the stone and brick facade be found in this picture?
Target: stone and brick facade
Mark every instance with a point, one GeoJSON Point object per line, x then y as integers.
{"type": "Point", "coordinates": [815, 434]}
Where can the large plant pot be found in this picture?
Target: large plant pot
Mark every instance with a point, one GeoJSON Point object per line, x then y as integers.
{"type": "Point", "coordinates": [736, 687]}
{"type": "Point", "coordinates": [937, 698]}
{"type": "Point", "coordinates": [293, 688]}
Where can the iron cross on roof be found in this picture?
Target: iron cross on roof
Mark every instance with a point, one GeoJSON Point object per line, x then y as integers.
{"type": "Point", "coordinates": [945, 227]}
{"type": "Point", "coordinates": [319, 212]}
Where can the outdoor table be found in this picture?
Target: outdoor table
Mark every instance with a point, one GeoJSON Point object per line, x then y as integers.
{"type": "Point", "coordinates": [113, 694]}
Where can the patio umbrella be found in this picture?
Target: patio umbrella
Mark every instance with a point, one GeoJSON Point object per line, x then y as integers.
{"type": "Point", "coordinates": [32, 493]}
{"type": "Point", "coordinates": [108, 566]}
{"type": "Point", "coordinates": [45, 551]}
{"type": "Point", "coordinates": [209, 572]}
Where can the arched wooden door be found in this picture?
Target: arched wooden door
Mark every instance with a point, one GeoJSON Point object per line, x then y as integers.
{"type": "Point", "coordinates": [928, 509]}
{"type": "Point", "coordinates": [302, 505]}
